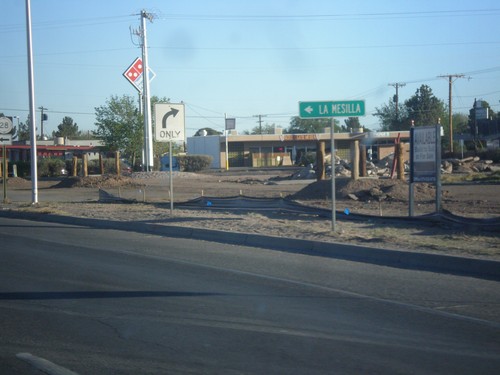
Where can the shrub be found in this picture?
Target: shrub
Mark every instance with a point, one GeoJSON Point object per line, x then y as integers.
{"type": "Point", "coordinates": [50, 167]}
{"type": "Point", "coordinates": [194, 163]}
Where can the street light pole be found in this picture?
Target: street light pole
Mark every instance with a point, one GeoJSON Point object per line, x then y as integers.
{"type": "Point", "coordinates": [34, 171]}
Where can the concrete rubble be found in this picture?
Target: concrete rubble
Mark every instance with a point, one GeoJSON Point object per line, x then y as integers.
{"type": "Point", "coordinates": [383, 168]}
{"type": "Point", "coordinates": [471, 164]}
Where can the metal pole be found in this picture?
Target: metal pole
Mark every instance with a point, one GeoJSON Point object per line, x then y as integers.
{"type": "Point", "coordinates": [148, 132]}
{"type": "Point", "coordinates": [171, 179]}
{"type": "Point", "coordinates": [332, 153]}
{"type": "Point", "coordinates": [450, 115]}
{"type": "Point", "coordinates": [34, 170]}
{"type": "Point", "coordinates": [411, 207]}
{"type": "Point", "coordinates": [5, 173]}
{"type": "Point", "coordinates": [226, 133]}
{"type": "Point", "coordinates": [438, 168]}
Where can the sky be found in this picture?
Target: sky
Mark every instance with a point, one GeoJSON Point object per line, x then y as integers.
{"type": "Point", "coordinates": [247, 58]}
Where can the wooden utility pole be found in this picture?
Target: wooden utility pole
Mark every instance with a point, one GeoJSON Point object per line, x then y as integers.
{"type": "Point", "coordinates": [450, 116]}
{"type": "Point", "coordinates": [260, 122]}
{"type": "Point", "coordinates": [43, 117]}
{"type": "Point", "coordinates": [397, 85]}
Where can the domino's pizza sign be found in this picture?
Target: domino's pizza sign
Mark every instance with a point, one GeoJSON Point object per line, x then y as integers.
{"type": "Point", "coordinates": [134, 74]}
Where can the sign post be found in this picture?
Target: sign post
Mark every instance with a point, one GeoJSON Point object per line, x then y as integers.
{"type": "Point", "coordinates": [425, 160]}
{"type": "Point", "coordinates": [331, 109]}
{"type": "Point", "coordinates": [5, 139]}
{"type": "Point", "coordinates": [170, 126]}
{"type": "Point", "coordinates": [230, 123]}
{"type": "Point", "coordinates": [332, 161]}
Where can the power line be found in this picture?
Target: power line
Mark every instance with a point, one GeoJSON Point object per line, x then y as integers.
{"type": "Point", "coordinates": [68, 23]}
{"type": "Point", "coordinates": [345, 16]}
{"type": "Point", "coordinates": [320, 48]}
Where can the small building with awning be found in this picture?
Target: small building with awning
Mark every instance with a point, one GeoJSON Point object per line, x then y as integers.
{"type": "Point", "coordinates": [65, 149]}
{"type": "Point", "coordinates": [273, 150]}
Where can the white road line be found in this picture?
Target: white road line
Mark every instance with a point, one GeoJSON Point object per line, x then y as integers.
{"type": "Point", "coordinates": [44, 365]}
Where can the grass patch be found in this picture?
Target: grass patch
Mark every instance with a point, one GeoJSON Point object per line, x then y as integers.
{"type": "Point", "coordinates": [493, 177]}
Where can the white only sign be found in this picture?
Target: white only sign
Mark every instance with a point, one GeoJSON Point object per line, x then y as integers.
{"type": "Point", "coordinates": [169, 122]}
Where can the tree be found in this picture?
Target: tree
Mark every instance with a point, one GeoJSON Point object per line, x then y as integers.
{"type": "Point", "coordinates": [120, 126]}
{"type": "Point", "coordinates": [209, 131]}
{"type": "Point", "coordinates": [424, 108]}
{"type": "Point", "coordinates": [24, 131]}
{"type": "Point", "coordinates": [301, 126]}
{"type": "Point", "coordinates": [352, 123]}
{"type": "Point", "coordinates": [460, 123]}
{"type": "Point", "coordinates": [389, 118]}
{"type": "Point", "coordinates": [67, 129]}
{"type": "Point", "coordinates": [265, 129]}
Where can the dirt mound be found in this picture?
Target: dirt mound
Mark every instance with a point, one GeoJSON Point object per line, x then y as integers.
{"type": "Point", "coordinates": [105, 181]}
{"type": "Point", "coordinates": [17, 182]}
{"type": "Point", "coordinates": [365, 189]}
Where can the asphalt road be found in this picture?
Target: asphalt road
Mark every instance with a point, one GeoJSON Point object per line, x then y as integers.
{"type": "Point", "coordinates": [98, 301]}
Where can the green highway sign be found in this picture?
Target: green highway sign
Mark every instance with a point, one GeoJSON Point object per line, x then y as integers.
{"type": "Point", "coordinates": [339, 108]}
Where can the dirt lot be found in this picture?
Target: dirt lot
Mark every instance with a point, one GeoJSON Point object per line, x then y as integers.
{"type": "Point", "coordinates": [383, 199]}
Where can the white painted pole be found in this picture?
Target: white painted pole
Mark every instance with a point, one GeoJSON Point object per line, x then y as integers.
{"type": "Point", "coordinates": [34, 169]}
{"type": "Point", "coordinates": [332, 151]}
{"type": "Point", "coordinates": [171, 179]}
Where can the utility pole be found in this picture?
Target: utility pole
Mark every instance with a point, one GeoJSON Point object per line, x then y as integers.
{"type": "Point", "coordinates": [146, 98]}
{"type": "Point", "coordinates": [43, 117]}
{"type": "Point", "coordinates": [397, 85]}
{"type": "Point", "coordinates": [260, 122]}
{"type": "Point", "coordinates": [148, 129]}
{"type": "Point", "coordinates": [450, 117]}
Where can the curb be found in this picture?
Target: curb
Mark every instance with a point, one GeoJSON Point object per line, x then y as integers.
{"type": "Point", "coordinates": [479, 268]}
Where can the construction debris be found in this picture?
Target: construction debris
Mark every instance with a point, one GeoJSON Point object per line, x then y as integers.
{"type": "Point", "coordinates": [468, 165]}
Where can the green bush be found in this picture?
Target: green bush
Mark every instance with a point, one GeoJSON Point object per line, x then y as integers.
{"type": "Point", "coordinates": [50, 167]}
{"type": "Point", "coordinates": [194, 163]}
